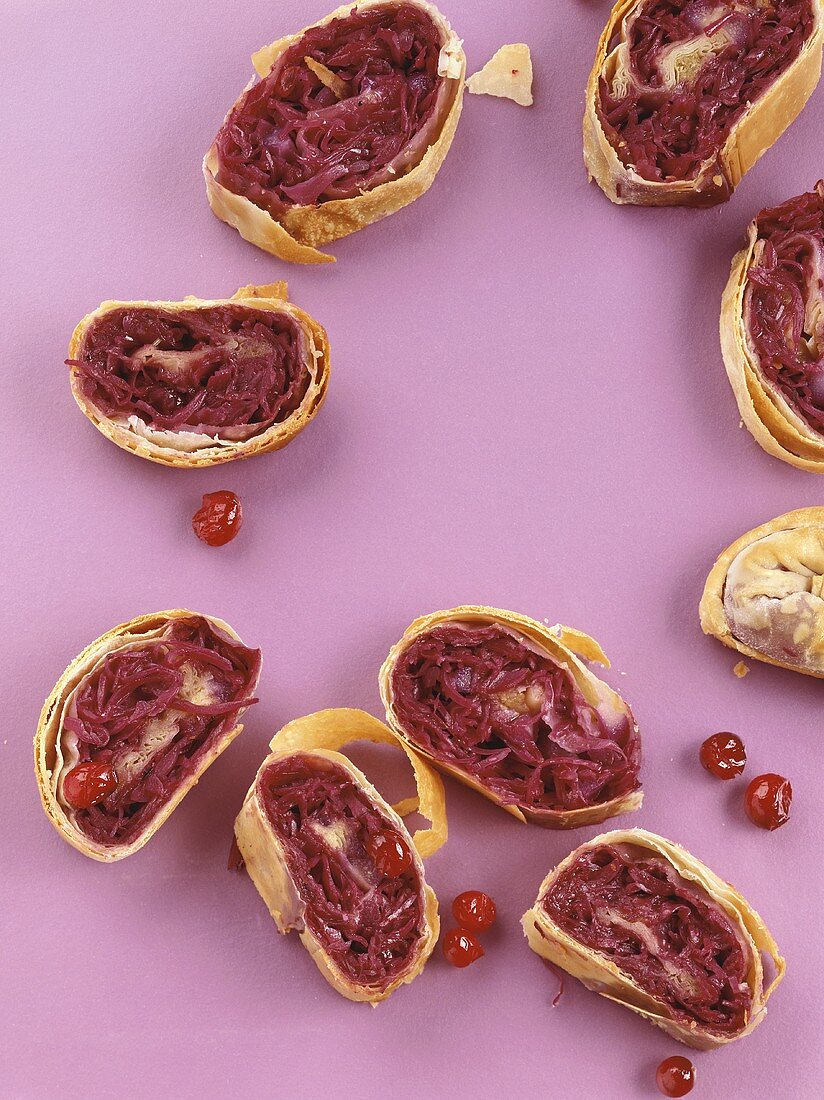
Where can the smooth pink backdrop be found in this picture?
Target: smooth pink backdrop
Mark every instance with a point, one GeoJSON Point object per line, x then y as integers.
{"type": "Point", "coordinates": [527, 408]}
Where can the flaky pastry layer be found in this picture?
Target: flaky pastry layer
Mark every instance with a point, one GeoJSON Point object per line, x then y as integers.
{"type": "Point", "coordinates": [320, 735]}
{"type": "Point", "coordinates": [599, 973]}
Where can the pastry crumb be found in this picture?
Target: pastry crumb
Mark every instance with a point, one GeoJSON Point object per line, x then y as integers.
{"type": "Point", "coordinates": [741, 670]}
{"type": "Point", "coordinates": [508, 75]}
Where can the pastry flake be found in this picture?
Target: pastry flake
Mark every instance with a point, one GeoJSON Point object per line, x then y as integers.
{"type": "Point", "coordinates": [369, 930]}
{"type": "Point", "coordinates": [765, 594]}
{"type": "Point", "coordinates": [772, 330]}
{"type": "Point", "coordinates": [134, 722]}
{"type": "Point", "coordinates": [505, 705]}
{"type": "Point", "coordinates": [685, 95]}
{"type": "Point", "coordinates": [507, 74]}
{"type": "Point", "coordinates": [199, 382]}
{"type": "Point", "coordinates": [349, 121]}
{"type": "Point", "coordinates": [641, 921]}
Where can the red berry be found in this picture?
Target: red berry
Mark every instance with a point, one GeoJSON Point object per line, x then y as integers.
{"type": "Point", "coordinates": [87, 784]}
{"type": "Point", "coordinates": [461, 948]}
{"type": "Point", "coordinates": [723, 755]}
{"type": "Point", "coordinates": [474, 910]}
{"type": "Point", "coordinates": [768, 801]}
{"type": "Point", "coordinates": [390, 853]}
{"type": "Point", "coordinates": [675, 1076]}
{"type": "Point", "coordinates": [218, 519]}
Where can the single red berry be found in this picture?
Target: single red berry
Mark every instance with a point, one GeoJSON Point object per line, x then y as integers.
{"type": "Point", "coordinates": [675, 1076]}
{"type": "Point", "coordinates": [474, 910]}
{"type": "Point", "coordinates": [768, 801]}
{"type": "Point", "coordinates": [218, 519]}
{"type": "Point", "coordinates": [390, 853]}
{"type": "Point", "coordinates": [461, 948]}
{"type": "Point", "coordinates": [723, 755]}
{"type": "Point", "coordinates": [87, 784]}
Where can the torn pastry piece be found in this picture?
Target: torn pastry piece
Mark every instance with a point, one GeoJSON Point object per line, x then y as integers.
{"type": "Point", "coordinates": [765, 594]}
{"type": "Point", "coordinates": [772, 330]}
{"type": "Point", "coordinates": [685, 95]}
{"type": "Point", "coordinates": [350, 121]}
{"type": "Point", "coordinates": [134, 722]}
{"type": "Point", "coordinates": [508, 707]}
{"type": "Point", "coordinates": [508, 75]}
{"type": "Point", "coordinates": [334, 862]}
{"type": "Point", "coordinates": [196, 382]}
{"type": "Point", "coordinates": [639, 920]}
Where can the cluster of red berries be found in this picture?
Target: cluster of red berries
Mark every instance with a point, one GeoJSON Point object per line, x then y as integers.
{"type": "Point", "coordinates": [768, 797]}
{"type": "Point", "coordinates": [475, 912]}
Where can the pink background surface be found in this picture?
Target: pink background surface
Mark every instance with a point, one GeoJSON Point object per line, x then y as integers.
{"type": "Point", "coordinates": [528, 409]}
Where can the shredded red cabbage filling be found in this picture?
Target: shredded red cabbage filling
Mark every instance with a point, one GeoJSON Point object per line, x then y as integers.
{"type": "Point", "coordinates": [694, 68]}
{"type": "Point", "coordinates": [480, 700]}
{"type": "Point", "coordinates": [228, 371]}
{"type": "Point", "coordinates": [290, 141]}
{"type": "Point", "coordinates": [784, 302]}
{"type": "Point", "coordinates": [152, 712]}
{"type": "Point", "coordinates": [664, 932]}
{"type": "Point", "coordinates": [369, 924]}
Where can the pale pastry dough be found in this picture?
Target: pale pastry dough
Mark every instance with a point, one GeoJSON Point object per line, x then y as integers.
{"type": "Point", "coordinates": [764, 595]}
{"type": "Point", "coordinates": [507, 74]}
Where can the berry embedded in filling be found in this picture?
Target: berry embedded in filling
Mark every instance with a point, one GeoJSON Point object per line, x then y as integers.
{"type": "Point", "coordinates": [352, 104]}
{"type": "Point", "coordinates": [665, 932]}
{"type": "Point", "coordinates": [141, 722]}
{"type": "Point", "coordinates": [368, 913]}
{"type": "Point", "coordinates": [484, 701]}
{"type": "Point", "coordinates": [784, 303]}
{"type": "Point", "coordinates": [227, 372]}
{"type": "Point", "coordinates": [688, 71]}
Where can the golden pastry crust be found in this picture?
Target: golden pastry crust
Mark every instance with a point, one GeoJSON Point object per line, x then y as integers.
{"type": "Point", "coordinates": [48, 756]}
{"type": "Point", "coordinates": [761, 124]}
{"type": "Point", "coordinates": [166, 447]}
{"type": "Point", "coordinates": [303, 228]}
{"type": "Point", "coordinates": [768, 416]}
{"type": "Point", "coordinates": [601, 975]}
{"type": "Point", "coordinates": [564, 645]}
{"type": "Point", "coordinates": [320, 735]}
{"type": "Point", "coordinates": [783, 561]}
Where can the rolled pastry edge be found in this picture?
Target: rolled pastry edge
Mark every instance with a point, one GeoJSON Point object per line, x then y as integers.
{"type": "Point", "coordinates": [602, 976]}
{"type": "Point", "coordinates": [264, 856]}
{"type": "Point", "coordinates": [564, 645]}
{"type": "Point", "coordinates": [50, 724]}
{"type": "Point", "coordinates": [759, 127]}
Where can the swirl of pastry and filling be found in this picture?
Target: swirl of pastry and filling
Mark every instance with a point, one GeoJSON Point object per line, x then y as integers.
{"type": "Point", "coordinates": [772, 330]}
{"type": "Point", "coordinates": [195, 383]}
{"type": "Point", "coordinates": [334, 862]}
{"type": "Point", "coordinates": [350, 121]}
{"type": "Point", "coordinates": [641, 921]}
{"type": "Point", "coordinates": [134, 722]}
{"type": "Point", "coordinates": [506, 705]}
{"type": "Point", "coordinates": [765, 594]}
{"type": "Point", "coordinates": [685, 95]}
